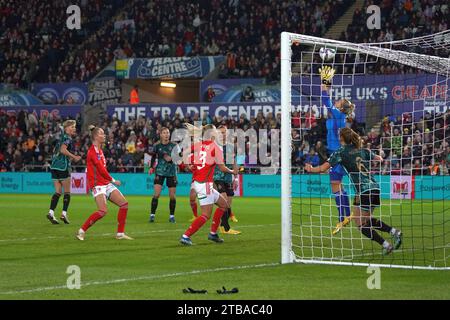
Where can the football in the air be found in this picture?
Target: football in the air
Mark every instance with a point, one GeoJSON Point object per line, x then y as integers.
{"type": "Point", "coordinates": [327, 53]}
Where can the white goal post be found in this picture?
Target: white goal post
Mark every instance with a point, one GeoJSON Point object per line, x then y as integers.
{"type": "Point", "coordinates": [307, 216]}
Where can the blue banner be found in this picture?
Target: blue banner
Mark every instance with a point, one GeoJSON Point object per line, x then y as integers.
{"type": "Point", "coordinates": [41, 183]}
{"type": "Point", "coordinates": [156, 68]}
{"type": "Point", "coordinates": [125, 112]}
{"type": "Point", "coordinates": [432, 187]}
{"type": "Point", "coordinates": [222, 85]}
{"type": "Point", "coordinates": [65, 93]}
{"type": "Point", "coordinates": [394, 94]}
{"type": "Point", "coordinates": [303, 186]}
{"type": "Point", "coordinates": [12, 182]}
{"type": "Point", "coordinates": [44, 110]}
{"type": "Point", "coordinates": [18, 98]}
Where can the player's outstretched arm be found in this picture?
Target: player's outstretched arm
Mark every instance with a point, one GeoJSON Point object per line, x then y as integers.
{"type": "Point", "coordinates": [326, 75]}
{"type": "Point", "coordinates": [225, 169]}
{"type": "Point", "coordinates": [322, 168]}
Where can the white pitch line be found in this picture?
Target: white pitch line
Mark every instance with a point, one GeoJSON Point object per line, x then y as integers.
{"type": "Point", "coordinates": [138, 232]}
{"type": "Point", "coordinates": [376, 254]}
{"type": "Point", "coordinates": [154, 277]}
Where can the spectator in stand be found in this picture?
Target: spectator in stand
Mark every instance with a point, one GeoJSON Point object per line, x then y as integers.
{"type": "Point", "coordinates": [400, 20]}
{"type": "Point", "coordinates": [210, 94]}
{"type": "Point", "coordinates": [433, 168]}
{"type": "Point", "coordinates": [248, 95]}
{"type": "Point", "coordinates": [312, 158]}
{"type": "Point", "coordinates": [134, 95]}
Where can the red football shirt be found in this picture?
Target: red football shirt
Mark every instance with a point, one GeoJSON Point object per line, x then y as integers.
{"type": "Point", "coordinates": [97, 174]}
{"type": "Point", "coordinates": [206, 155]}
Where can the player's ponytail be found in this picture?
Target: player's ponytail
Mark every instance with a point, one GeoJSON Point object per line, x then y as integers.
{"type": "Point", "coordinates": [351, 137]}
{"type": "Point", "coordinates": [93, 130]}
{"type": "Point", "coordinates": [193, 130]}
{"type": "Point", "coordinates": [209, 127]}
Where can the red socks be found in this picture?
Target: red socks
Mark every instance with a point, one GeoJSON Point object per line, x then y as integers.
{"type": "Point", "coordinates": [122, 217]}
{"type": "Point", "coordinates": [194, 207]}
{"type": "Point", "coordinates": [92, 219]}
{"type": "Point", "coordinates": [196, 224]}
{"type": "Point", "coordinates": [216, 220]}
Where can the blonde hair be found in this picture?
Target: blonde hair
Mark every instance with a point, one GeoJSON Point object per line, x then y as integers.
{"type": "Point", "coordinates": [93, 130]}
{"type": "Point", "coordinates": [163, 129]}
{"type": "Point", "coordinates": [351, 137]}
{"type": "Point", "coordinates": [195, 131]}
{"type": "Point", "coordinates": [69, 123]}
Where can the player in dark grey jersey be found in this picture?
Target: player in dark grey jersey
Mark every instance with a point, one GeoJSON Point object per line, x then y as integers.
{"type": "Point", "coordinates": [357, 162]}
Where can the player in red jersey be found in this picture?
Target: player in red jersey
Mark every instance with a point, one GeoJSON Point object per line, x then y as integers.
{"type": "Point", "coordinates": [206, 155]}
{"type": "Point", "coordinates": [103, 187]}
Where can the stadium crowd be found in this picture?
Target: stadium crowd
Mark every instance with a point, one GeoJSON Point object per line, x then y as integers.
{"type": "Point", "coordinates": [35, 45]}
{"type": "Point", "coordinates": [26, 142]}
{"type": "Point", "coordinates": [402, 19]}
{"type": "Point", "coordinates": [408, 147]}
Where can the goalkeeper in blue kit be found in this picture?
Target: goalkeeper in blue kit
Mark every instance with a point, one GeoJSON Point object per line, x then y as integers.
{"type": "Point", "coordinates": [337, 119]}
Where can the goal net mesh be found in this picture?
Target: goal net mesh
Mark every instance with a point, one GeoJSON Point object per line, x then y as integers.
{"type": "Point", "coordinates": [401, 91]}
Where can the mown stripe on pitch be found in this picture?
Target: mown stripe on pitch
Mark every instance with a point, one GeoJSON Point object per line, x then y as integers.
{"type": "Point", "coordinates": [144, 278]}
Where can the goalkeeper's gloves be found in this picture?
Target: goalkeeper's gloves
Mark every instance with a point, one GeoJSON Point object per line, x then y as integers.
{"type": "Point", "coordinates": [326, 74]}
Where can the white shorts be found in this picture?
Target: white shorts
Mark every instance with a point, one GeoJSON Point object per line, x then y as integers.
{"type": "Point", "coordinates": [106, 190]}
{"type": "Point", "coordinates": [206, 194]}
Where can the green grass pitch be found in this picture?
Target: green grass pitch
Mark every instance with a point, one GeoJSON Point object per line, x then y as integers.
{"type": "Point", "coordinates": [34, 256]}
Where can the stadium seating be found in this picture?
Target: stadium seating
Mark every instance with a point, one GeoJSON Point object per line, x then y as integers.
{"type": "Point", "coordinates": [35, 45]}
{"type": "Point", "coordinates": [246, 32]}
{"type": "Point", "coordinates": [400, 20]}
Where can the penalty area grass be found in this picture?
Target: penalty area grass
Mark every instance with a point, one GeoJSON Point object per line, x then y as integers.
{"type": "Point", "coordinates": [35, 255]}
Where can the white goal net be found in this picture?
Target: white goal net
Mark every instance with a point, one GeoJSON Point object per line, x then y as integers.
{"type": "Point", "coordinates": [401, 92]}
